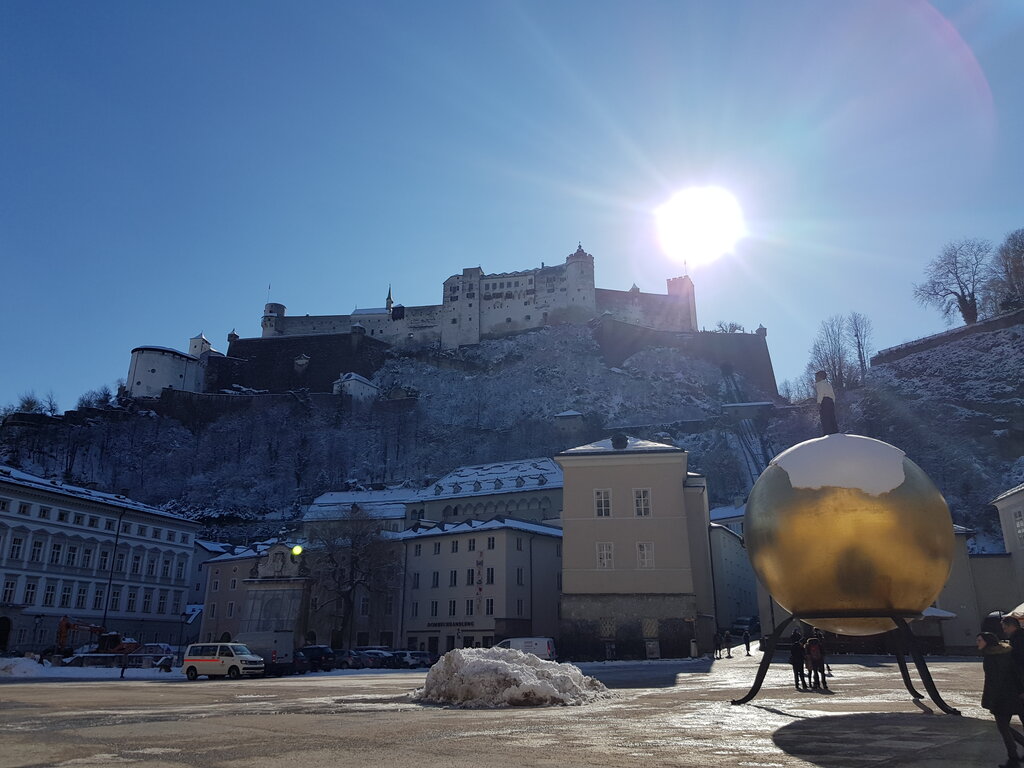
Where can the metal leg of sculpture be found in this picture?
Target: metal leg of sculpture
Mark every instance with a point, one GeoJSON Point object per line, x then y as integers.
{"type": "Point", "coordinates": [922, 668]}
{"type": "Point", "coordinates": [766, 660]}
{"type": "Point", "coordinates": [904, 672]}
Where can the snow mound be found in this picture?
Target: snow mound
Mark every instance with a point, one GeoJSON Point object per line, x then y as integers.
{"type": "Point", "coordinates": [501, 677]}
{"type": "Point", "coordinates": [22, 667]}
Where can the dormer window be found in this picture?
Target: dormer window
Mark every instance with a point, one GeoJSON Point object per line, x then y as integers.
{"type": "Point", "coordinates": [543, 480]}
{"type": "Point", "coordinates": [438, 490]}
{"type": "Point", "coordinates": [476, 485]}
{"type": "Point", "coordinates": [497, 484]}
{"type": "Point", "coordinates": [520, 482]}
{"type": "Point", "coordinates": [457, 488]}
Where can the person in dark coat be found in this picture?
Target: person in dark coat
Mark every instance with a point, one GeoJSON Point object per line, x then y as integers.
{"type": "Point", "coordinates": [718, 645]}
{"type": "Point", "coordinates": [727, 640]}
{"type": "Point", "coordinates": [746, 640]}
{"type": "Point", "coordinates": [1015, 637]}
{"type": "Point", "coordinates": [1004, 686]}
{"type": "Point", "coordinates": [824, 651]}
{"type": "Point", "coordinates": [815, 654]}
{"type": "Point", "coordinates": [796, 658]}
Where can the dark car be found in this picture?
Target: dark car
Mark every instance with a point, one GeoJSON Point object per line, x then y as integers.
{"type": "Point", "coordinates": [321, 657]}
{"type": "Point", "coordinates": [300, 663]}
{"type": "Point", "coordinates": [349, 660]}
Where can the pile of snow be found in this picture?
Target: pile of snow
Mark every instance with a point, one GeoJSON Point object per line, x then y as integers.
{"type": "Point", "coordinates": [21, 667]}
{"type": "Point", "coordinates": [503, 677]}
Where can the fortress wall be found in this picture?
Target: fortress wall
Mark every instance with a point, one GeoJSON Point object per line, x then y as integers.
{"type": "Point", "coordinates": [661, 312]}
{"type": "Point", "coordinates": [998, 323]}
{"type": "Point", "coordinates": [306, 325]}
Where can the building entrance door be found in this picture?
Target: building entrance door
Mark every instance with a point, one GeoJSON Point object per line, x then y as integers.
{"type": "Point", "coordinates": [432, 645]}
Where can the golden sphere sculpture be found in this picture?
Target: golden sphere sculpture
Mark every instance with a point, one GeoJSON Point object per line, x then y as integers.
{"type": "Point", "coordinates": [848, 523]}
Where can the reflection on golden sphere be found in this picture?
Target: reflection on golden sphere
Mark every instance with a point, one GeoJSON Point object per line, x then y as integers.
{"type": "Point", "coordinates": [848, 523]}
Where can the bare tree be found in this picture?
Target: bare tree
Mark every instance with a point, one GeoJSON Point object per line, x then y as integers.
{"type": "Point", "coordinates": [730, 326]}
{"type": "Point", "coordinates": [29, 402]}
{"type": "Point", "coordinates": [860, 330]}
{"type": "Point", "coordinates": [831, 352]}
{"type": "Point", "coordinates": [50, 405]}
{"type": "Point", "coordinates": [955, 279]}
{"type": "Point", "coordinates": [1006, 274]}
{"type": "Point", "coordinates": [350, 559]}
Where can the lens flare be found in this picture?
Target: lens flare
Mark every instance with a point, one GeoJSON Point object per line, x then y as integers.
{"type": "Point", "coordinates": [699, 224]}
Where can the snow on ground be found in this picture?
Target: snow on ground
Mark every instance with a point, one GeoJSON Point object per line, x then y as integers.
{"type": "Point", "coordinates": [503, 677]}
{"type": "Point", "coordinates": [28, 667]}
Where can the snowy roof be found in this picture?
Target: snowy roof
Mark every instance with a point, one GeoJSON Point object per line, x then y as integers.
{"type": "Point", "coordinates": [167, 350]}
{"type": "Point", "coordinates": [472, 526]}
{"type": "Point", "coordinates": [633, 445]}
{"type": "Point", "coordinates": [361, 379]}
{"type": "Point", "coordinates": [502, 477]}
{"type": "Point", "coordinates": [212, 546]}
{"type": "Point", "coordinates": [760, 403]}
{"type": "Point", "coordinates": [388, 503]}
{"type": "Point", "coordinates": [371, 311]}
{"type": "Point", "coordinates": [1008, 494]}
{"type": "Point", "coordinates": [25, 480]}
{"type": "Point", "coordinates": [568, 413]}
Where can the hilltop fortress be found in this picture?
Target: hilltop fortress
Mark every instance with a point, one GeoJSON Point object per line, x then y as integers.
{"type": "Point", "coordinates": [315, 352]}
{"type": "Point", "coordinates": [476, 306]}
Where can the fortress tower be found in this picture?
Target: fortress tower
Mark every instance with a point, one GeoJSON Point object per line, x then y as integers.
{"type": "Point", "coordinates": [682, 289]}
{"type": "Point", "coordinates": [273, 320]}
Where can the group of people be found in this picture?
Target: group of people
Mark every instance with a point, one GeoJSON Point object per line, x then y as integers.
{"type": "Point", "coordinates": [808, 660]}
{"type": "Point", "coordinates": [723, 641]}
{"type": "Point", "coordinates": [1003, 694]}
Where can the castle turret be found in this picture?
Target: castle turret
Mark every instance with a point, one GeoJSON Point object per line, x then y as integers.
{"type": "Point", "coordinates": [388, 303]}
{"type": "Point", "coordinates": [273, 319]}
{"type": "Point", "coordinates": [682, 289]}
{"type": "Point", "coordinates": [199, 344]}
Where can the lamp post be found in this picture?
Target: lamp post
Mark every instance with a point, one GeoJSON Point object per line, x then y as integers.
{"type": "Point", "coordinates": [110, 572]}
{"type": "Point", "coordinates": [181, 634]}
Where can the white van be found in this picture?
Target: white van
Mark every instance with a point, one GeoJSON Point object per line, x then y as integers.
{"type": "Point", "coordinates": [276, 646]}
{"type": "Point", "coordinates": [543, 647]}
{"type": "Point", "coordinates": [220, 660]}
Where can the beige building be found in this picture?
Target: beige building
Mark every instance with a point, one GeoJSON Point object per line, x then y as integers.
{"type": "Point", "coordinates": [477, 582]}
{"type": "Point", "coordinates": [1011, 519]}
{"type": "Point", "coordinates": [636, 567]}
{"type": "Point", "coordinates": [735, 582]}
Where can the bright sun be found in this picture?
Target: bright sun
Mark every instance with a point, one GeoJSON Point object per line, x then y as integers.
{"type": "Point", "coordinates": [700, 224]}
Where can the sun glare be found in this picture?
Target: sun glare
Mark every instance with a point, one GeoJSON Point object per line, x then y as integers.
{"type": "Point", "coordinates": [699, 224]}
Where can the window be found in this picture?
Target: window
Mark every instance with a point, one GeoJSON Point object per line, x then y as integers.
{"type": "Point", "coordinates": [489, 606]}
{"type": "Point", "coordinates": [417, 550]}
{"type": "Point", "coordinates": [519, 543]}
{"type": "Point", "coordinates": [65, 596]}
{"type": "Point", "coordinates": [389, 604]}
{"type": "Point", "coordinates": [115, 599]}
{"type": "Point", "coordinates": [108, 525]}
{"type": "Point", "coordinates": [216, 585]}
{"type": "Point", "coordinates": [453, 578]}
{"type": "Point", "coordinates": [645, 554]}
{"type": "Point", "coordinates": [136, 564]}
{"type": "Point", "coordinates": [119, 562]}
{"type": "Point", "coordinates": [519, 576]}
{"type": "Point", "coordinates": [469, 607]}
{"type": "Point", "coordinates": [469, 577]}
{"type": "Point", "coordinates": [472, 545]}
{"type": "Point", "coordinates": [8, 596]}
{"type": "Point", "coordinates": [104, 560]}
{"type": "Point", "coordinates": [490, 575]}
{"type": "Point", "coordinates": [3, 505]}
{"type": "Point", "coordinates": [605, 555]}
{"type": "Point", "coordinates": [141, 530]}
{"type": "Point", "coordinates": [147, 601]}
{"type": "Point", "coordinates": [455, 545]}
{"type": "Point", "coordinates": [213, 610]}
{"type": "Point", "coordinates": [176, 603]}
{"type": "Point", "coordinates": [233, 584]}
{"type": "Point", "coordinates": [437, 547]}
{"type": "Point", "coordinates": [1018, 522]}
{"type": "Point", "coordinates": [30, 593]}
{"type": "Point", "coordinates": [179, 572]}
{"type": "Point", "coordinates": [133, 596]}
{"type": "Point", "coordinates": [94, 522]}
{"type": "Point", "coordinates": [55, 553]}
{"type": "Point", "coordinates": [62, 515]}
{"type": "Point", "coordinates": [79, 519]}
{"type": "Point", "coordinates": [451, 607]}
{"type": "Point", "coordinates": [165, 569]}
{"type": "Point", "coordinates": [72, 555]}
{"type": "Point", "coordinates": [184, 538]}
{"type": "Point", "coordinates": [44, 513]}
{"type": "Point", "coordinates": [519, 607]}
{"type": "Point", "coordinates": [81, 597]}
{"type": "Point", "coordinates": [415, 610]}
{"type": "Point", "coordinates": [161, 603]}
{"type": "Point", "coordinates": [231, 608]}
{"type": "Point", "coordinates": [36, 555]}
{"type": "Point", "coordinates": [97, 599]}
{"type": "Point", "coordinates": [435, 579]}
{"type": "Point", "coordinates": [49, 595]}
{"type": "Point", "coordinates": [433, 607]}
{"type": "Point", "coordinates": [157, 533]}
{"type": "Point", "coordinates": [24, 509]}
{"type": "Point", "coordinates": [603, 502]}
{"type": "Point", "coordinates": [415, 581]}
{"type": "Point", "coordinates": [86, 558]}
{"type": "Point", "coordinates": [151, 567]}
{"type": "Point", "coordinates": [15, 551]}
{"type": "Point", "coordinates": [642, 502]}
{"type": "Point", "coordinates": [490, 542]}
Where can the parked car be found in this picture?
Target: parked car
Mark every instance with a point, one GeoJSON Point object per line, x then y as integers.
{"type": "Point", "coordinates": [369, 662]}
{"type": "Point", "coordinates": [412, 659]}
{"type": "Point", "coordinates": [321, 657]}
{"type": "Point", "coordinates": [743, 624]}
{"type": "Point", "coordinates": [542, 647]}
{"type": "Point", "coordinates": [382, 659]}
{"type": "Point", "coordinates": [425, 659]}
{"type": "Point", "coordinates": [300, 663]}
{"type": "Point", "coordinates": [221, 660]}
{"type": "Point", "coordinates": [349, 659]}
{"type": "Point", "coordinates": [276, 648]}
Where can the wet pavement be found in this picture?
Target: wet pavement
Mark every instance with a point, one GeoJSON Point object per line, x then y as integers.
{"type": "Point", "coordinates": [660, 713]}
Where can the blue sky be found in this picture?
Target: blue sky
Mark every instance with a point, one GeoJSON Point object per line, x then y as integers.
{"type": "Point", "coordinates": [162, 163]}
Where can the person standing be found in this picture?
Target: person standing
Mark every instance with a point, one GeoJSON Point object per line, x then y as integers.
{"type": "Point", "coordinates": [796, 658]}
{"type": "Point", "coordinates": [816, 662]}
{"type": "Point", "coordinates": [746, 640]}
{"type": "Point", "coordinates": [1015, 637]}
{"type": "Point", "coordinates": [824, 652]}
{"type": "Point", "coordinates": [718, 645]}
{"type": "Point", "coordinates": [728, 643]}
{"type": "Point", "coordinates": [1001, 695]}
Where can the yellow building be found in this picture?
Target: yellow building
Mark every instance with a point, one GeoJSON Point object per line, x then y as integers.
{"type": "Point", "coordinates": [636, 566]}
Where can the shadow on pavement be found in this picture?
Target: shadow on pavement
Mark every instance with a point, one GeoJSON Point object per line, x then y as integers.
{"type": "Point", "coordinates": [658, 675]}
{"type": "Point", "coordinates": [839, 741]}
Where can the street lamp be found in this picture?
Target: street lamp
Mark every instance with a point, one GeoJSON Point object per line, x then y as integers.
{"type": "Point", "coordinates": [181, 633]}
{"type": "Point", "coordinates": [110, 574]}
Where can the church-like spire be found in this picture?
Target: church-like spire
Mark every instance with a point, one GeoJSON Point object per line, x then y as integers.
{"type": "Point", "coordinates": [389, 303]}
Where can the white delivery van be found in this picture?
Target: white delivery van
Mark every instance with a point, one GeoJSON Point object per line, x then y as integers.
{"type": "Point", "coordinates": [543, 647]}
{"type": "Point", "coordinates": [220, 660]}
{"type": "Point", "coordinates": [276, 646]}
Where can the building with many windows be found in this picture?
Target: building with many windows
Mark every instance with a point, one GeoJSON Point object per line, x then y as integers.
{"type": "Point", "coordinates": [636, 568]}
{"type": "Point", "coordinates": [477, 582]}
{"type": "Point", "coordinates": [98, 558]}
